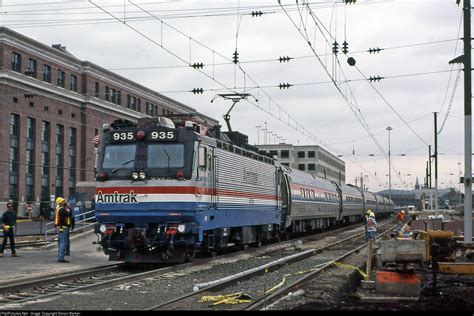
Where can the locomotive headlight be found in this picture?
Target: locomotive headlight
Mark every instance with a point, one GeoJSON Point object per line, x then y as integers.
{"type": "Point", "coordinates": [135, 175]}
{"type": "Point", "coordinates": [181, 228]}
{"type": "Point", "coordinates": [142, 175]}
{"type": "Point", "coordinates": [102, 228]}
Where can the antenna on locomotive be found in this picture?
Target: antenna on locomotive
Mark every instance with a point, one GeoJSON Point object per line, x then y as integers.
{"type": "Point", "coordinates": [234, 97]}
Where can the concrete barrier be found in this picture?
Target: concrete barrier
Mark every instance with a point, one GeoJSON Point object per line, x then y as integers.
{"type": "Point", "coordinates": [401, 251]}
{"type": "Point", "coordinates": [400, 284]}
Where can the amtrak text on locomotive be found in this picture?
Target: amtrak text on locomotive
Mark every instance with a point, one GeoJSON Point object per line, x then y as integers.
{"type": "Point", "coordinates": [116, 197]}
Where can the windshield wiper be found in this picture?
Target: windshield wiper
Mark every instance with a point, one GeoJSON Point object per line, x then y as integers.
{"type": "Point", "coordinates": [125, 163]}
{"type": "Point", "coordinates": [167, 156]}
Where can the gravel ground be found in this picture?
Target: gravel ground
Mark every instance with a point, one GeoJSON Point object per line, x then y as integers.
{"type": "Point", "coordinates": [156, 290]}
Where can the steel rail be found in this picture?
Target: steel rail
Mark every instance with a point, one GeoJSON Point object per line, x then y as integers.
{"type": "Point", "coordinates": [272, 297]}
{"type": "Point", "coordinates": [223, 282]}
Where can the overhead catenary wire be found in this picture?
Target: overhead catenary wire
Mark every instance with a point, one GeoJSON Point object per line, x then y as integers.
{"type": "Point", "coordinates": [298, 127]}
{"type": "Point", "coordinates": [354, 108]}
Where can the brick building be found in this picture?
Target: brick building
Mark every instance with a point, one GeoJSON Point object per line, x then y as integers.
{"type": "Point", "coordinates": [53, 104]}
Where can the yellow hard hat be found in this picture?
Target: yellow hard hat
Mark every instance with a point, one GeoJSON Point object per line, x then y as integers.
{"type": "Point", "coordinates": [372, 214]}
{"type": "Point", "coordinates": [60, 200]}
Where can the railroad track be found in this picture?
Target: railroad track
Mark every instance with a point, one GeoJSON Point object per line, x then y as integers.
{"type": "Point", "coordinates": [255, 282]}
{"type": "Point", "coordinates": [110, 276]}
{"type": "Point", "coordinates": [49, 286]}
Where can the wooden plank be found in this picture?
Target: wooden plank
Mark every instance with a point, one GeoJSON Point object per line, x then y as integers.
{"type": "Point", "coordinates": [456, 268]}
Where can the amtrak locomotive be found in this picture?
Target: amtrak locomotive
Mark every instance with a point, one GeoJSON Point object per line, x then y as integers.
{"type": "Point", "coordinates": [166, 191]}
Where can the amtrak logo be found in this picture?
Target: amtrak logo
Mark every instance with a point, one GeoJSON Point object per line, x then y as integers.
{"type": "Point", "coordinates": [116, 197]}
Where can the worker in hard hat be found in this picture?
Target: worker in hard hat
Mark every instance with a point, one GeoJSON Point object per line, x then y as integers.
{"type": "Point", "coordinates": [62, 221]}
{"type": "Point", "coordinates": [400, 218]}
{"type": "Point", "coordinates": [371, 226]}
{"type": "Point", "coordinates": [365, 217]}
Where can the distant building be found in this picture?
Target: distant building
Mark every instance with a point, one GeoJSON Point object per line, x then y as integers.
{"type": "Point", "coordinates": [312, 159]}
{"type": "Point", "coordinates": [421, 198]}
{"type": "Point", "coordinates": [53, 104]}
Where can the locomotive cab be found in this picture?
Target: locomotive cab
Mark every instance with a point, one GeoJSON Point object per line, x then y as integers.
{"type": "Point", "coordinates": [140, 166]}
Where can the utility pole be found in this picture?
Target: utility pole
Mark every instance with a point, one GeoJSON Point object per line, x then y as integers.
{"type": "Point", "coordinates": [429, 175]}
{"type": "Point", "coordinates": [436, 158]}
{"type": "Point", "coordinates": [466, 59]}
{"type": "Point", "coordinates": [467, 124]}
{"type": "Point", "coordinates": [389, 166]}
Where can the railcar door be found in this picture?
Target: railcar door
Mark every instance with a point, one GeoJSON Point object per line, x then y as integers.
{"type": "Point", "coordinates": [285, 198]}
{"type": "Point", "coordinates": [339, 194]}
{"type": "Point", "coordinates": [213, 165]}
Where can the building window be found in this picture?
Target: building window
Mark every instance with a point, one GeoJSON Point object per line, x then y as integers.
{"type": "Point", "coordinates": [45, 142]}
{"type": "Point", "coordinates": [97, 90]}
{"type": "Point", "coordinates": [16, 62]}
{"type": "Point", "coordinates": [301, 166]}
{"type": "Point", "coordinates": [113, 95]}
{"type": "Point", "coordinates": [301, 154]}
{"type": "Point", "coordinates": [311, 154]}
{"type": "Point", "coordinates": [72, 160]}
{"type": "Point", "coordinates": [285, 154]}
{"type": "Point", "coordinates": [46, 108]}
{"type": "Point", "coordinates": [139, 105]}
{"type": "Point", "coordinates": [147, 108]}
{"type": "Point", "coordinates": [131, 102]}
{"type": "Point", "coordinates": [73, 115]}
{"type": "Point", "coordinates": [73, 83]}
{"type": "Point", "coordinates": [311, 166]}
{"type": "Point", "coordinates": [273, 153]}
{"type": "Point", "coordinates": [14, 154]}
{"type": "Point", "coordinates": [285, 164]}
{"type": "Point", "coordinates": [107, 93]}
{"type": "Point", "coordinates": [119, 98]}
{"type": "Point", "coordinates": [32, 68]}
{"type": "Point", "coordinates": [61, 76]}
{"type": "Point", "coordinates": [47, 73]}
{"type": "Point", "coordinates": [59, 159]}
{"type": "Point", "coordinates": [30, 158]}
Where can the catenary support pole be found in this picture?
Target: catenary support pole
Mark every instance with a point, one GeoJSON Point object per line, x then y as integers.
{"type": "Point", "coordinates": [467, 124]}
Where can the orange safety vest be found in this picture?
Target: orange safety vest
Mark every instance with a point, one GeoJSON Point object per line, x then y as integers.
{"type": "Point", "coordinates": [56, 217]}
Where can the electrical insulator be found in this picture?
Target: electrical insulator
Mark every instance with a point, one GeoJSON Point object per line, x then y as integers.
{"type": "Point", "coordinates": [345, 47]}
{"type": "Point", "coordinates": [197, 90]}
{"type": "Point", "coordinates": [375, 78]}
{"type": "Point", "coordinates": [335, 49]}
{"type": "Point", "coordinates": [284, 59]}
{"type": "Point", "coordinates": [236, 57]}
{"type": "Point", "coordinates": [374, 50]}
{"type": "Point", "coordinates": [197, 65]}
{"type": "Point", "coordinates": [285, 85]}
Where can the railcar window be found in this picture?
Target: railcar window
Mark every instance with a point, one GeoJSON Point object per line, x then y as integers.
{"type": "Point", "coordinates": [165, 155]}
{"type": "Point", "coordinates": [119, 156]}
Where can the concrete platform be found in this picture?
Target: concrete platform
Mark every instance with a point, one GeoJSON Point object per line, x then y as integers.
{"type": "Point", "coordinates": [36, 262]}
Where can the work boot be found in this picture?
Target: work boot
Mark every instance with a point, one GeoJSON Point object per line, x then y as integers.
{"type": "Point", "coordinates": [15, 255]}
{"type": "Point", "coordinates": [1, 254]}
{"type": "Point", "coordinates": [63, 261]}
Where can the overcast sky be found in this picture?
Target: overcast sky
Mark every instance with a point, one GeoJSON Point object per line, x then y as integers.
{"type": "Point", "coordinates": [330, 104]}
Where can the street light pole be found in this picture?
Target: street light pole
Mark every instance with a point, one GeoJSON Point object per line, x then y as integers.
{"type": "Point", "coordinates": [459, 181]}
{"type": "Point", "coordinates": [258, 134]}
{"type": "Point", "coordinates": [265, 134]}
{"type": "Point", "coordinates": [389, 167]}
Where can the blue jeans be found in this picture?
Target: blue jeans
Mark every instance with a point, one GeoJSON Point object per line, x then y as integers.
{"type": "Point", "coordinates": [371, 235]}
{"type": "Point", "coordinates": [63, 242]}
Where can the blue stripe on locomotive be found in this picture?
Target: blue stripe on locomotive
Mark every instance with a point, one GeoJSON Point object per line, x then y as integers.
{"type": "Point", "coordinates": [226, 215]}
